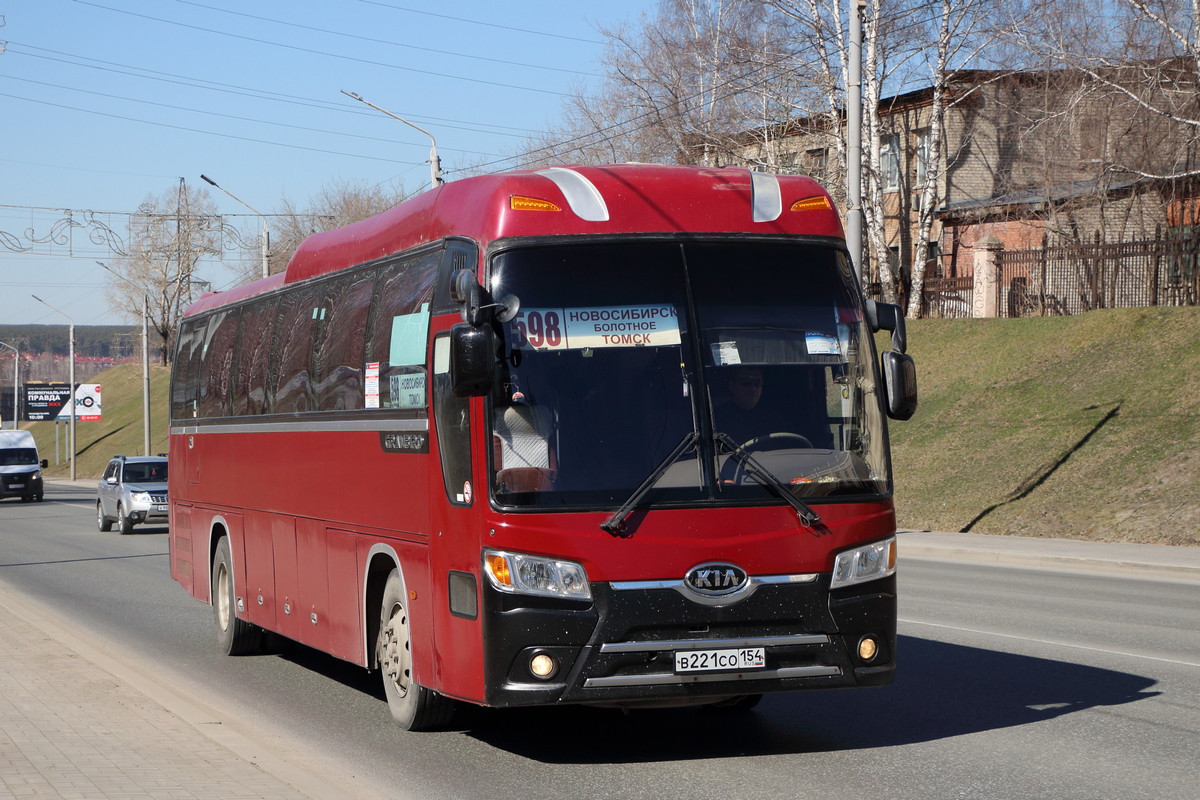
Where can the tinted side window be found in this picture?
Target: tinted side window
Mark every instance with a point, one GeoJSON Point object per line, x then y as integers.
{"type": "Point", "coordinates": [339, 360]}
{"type": "Point", "coordinates": [291, 367]}
{"type": "Point", "coordinates": [217, 365]}
{"type": "Point", "coordinates": [186, 373]}
{"type": "Point", "coordinates": [254, 351]}
{"type": "Point", "coordinates": [399, 331]}
{"type": "Point", "coordinates": [452, 415]}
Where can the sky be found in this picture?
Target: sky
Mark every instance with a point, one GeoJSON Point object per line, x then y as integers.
{"type": "Point", "coordinates": [107, 103]}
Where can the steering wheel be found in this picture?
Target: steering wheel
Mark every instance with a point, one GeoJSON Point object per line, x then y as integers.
{"type": "Point", "coordinates": [757, 443]}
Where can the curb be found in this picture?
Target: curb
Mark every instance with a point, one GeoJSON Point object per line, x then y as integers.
{"type": "Point", "coordinates": [1161, 562]}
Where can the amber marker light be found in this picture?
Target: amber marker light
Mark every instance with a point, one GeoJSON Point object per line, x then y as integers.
{"type": "Point", "coordinates": [521, 203]}
{"type": "Point", "coordinates": [820, 203]}
{"type": "Point", "coordinates": [498, 568]}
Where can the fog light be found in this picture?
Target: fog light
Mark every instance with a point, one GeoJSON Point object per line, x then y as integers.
{"type": "Point", "coordinates": [543, 666]}
{"type": "Point", "coordinates": [867, 648]}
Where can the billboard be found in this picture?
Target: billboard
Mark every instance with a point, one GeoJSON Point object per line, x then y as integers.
{"type": "Point", "coordinates": [52, 401]}
{"type": "Point", "coordinates": [44, 401]}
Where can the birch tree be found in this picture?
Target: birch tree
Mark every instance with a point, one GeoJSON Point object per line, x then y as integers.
{"type": "Point", "coordinates": [687, 85]}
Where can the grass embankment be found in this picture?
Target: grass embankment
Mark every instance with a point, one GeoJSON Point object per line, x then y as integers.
{"type": "Point", "coordinates": [1082, 427]}
{"type": "Point", "coordinates": [121, 429]}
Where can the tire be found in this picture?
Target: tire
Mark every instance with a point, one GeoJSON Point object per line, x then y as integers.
{"type": "Point", "coordinates": [125, 522]}
{"type": "Point", "coordinates": [102, 522]}
{"type": "Point", "coordinates": [413, 707]}
{"type": "Point", "coordinates": [235, 637]}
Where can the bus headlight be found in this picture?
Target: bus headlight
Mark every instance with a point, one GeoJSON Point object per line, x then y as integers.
{"type": "Point", "coordinates": [518, 573]}
{"type": "Point", "coordinates": [867, 563]}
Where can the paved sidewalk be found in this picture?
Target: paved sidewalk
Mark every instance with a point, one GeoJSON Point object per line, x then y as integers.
{"type": "Point", "coordinates": [71, 728]}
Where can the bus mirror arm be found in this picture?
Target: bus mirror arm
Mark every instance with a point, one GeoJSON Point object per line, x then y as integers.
{"type": "Point", "coordinates": [465, 289]}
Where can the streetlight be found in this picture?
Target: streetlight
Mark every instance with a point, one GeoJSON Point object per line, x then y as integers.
{"type": "Point", "coordinates": [266, 269]}
{"type": "Point", "coordinates": [435, 163]}
{"type": "Point", "coordinates": [74, 411]}
{"type": "Point", "coordinates": [16, 360]}
{"type": "Point", "coordinates": [145, 358]}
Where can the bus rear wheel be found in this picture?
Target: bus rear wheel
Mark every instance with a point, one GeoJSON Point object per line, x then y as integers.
{"type": "Point", "coordinates": [413, 707]}
{"type": "Point", "coordinates": [235, 637]}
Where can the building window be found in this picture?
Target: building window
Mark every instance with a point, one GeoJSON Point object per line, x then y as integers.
{"type": "Point", "coordinates": [890, 162]}
{"type": "Point", "coordinates": [817, 162]}
{"type": "Point", "coordinates": [924, 141]}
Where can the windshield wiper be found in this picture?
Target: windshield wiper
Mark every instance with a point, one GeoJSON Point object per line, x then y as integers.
{"type": "Point", "coordinates": [616, 523]}
{"type": "Point", "coordinates": [764, 476]}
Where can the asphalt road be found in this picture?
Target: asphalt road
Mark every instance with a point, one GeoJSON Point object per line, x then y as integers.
{"type": "Point", "coordinates": [1012, 683]}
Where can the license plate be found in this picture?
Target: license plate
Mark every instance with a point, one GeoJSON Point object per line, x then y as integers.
{"type": "Point", "coordinates": [16, 486]}
{"type": "Point", "coordinates": [162, 509]}
{"type": "Point", "coordinates": [707, 660]}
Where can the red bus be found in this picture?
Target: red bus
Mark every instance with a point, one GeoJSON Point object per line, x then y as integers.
{"type": "Point", "coordinates": [598, 435]}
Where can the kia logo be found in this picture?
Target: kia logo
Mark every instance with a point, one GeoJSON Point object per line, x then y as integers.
{"type": "Point", "coordinates": [715, 579]}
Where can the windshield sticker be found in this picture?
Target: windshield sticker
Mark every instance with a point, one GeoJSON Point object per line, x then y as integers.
{"type": "Point", "coordinates": [820, 344]}
{"type": "Point", "coordinates": [598, 327]}
{"type": "Point", "coordinates": [726, 354]}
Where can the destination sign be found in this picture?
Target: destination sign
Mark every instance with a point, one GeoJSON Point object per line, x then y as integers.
{"type": "Point", "coordinates": [597, 327]}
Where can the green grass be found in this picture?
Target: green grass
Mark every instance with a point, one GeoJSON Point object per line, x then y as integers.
{"type": "Point", "coordinates": [1084, 427]}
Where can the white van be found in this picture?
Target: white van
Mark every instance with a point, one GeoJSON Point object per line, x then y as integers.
{"type": "Point", "coordinates": [20, 469]}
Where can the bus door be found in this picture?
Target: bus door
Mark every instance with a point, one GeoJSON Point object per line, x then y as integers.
{"type": "Point", "coordinates": [454, 535]}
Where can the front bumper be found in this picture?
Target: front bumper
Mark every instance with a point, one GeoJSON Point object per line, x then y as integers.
{"type": "Point", "coordinates": [26, 485]}
{"type": "Point", "coordinates": [607, 653]}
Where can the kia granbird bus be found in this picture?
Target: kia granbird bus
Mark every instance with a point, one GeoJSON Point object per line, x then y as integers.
{"type": "Point", "coordinates": [597, 435]}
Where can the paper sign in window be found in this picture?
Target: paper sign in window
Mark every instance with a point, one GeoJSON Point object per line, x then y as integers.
{"type": "Point", "coordinates": [409, 334]}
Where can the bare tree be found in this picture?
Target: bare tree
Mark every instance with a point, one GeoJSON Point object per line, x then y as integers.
{"type": "Point", "coordinates": [335, 205]}
{"type": "Point", "coordinates": [686, 85]}
{"type": "Point", "coordinates": [961, 31]}
{"type": "Point", "coordinates": [168, 237]}
{"type": "Point", "coordinates": [1143, 59]}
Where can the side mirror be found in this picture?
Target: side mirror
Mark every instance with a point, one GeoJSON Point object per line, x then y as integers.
{"type": "Point", "coordinates": [111, 480]}
{"type": "Point", "coordinates": [888, 317]}
{"type": "Point", "coordinates": [472, 360]}
{"type": "Point", "coordinates": [45, 463]}
{"type": "Point", "coordinates": [900, 384]}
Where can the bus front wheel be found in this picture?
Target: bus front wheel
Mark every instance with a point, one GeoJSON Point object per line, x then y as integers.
{"type": "Point", "coordinates": [413, 707]}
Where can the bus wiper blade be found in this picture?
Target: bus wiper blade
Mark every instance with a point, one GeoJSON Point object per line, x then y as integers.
{"type": "Point", "coordinates": [764, 476]}
{"type": "Point", "coordinates": [616, 523]}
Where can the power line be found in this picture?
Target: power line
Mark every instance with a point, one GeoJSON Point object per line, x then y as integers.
{"type": "Point", "coordinates": [478, 22]}
{"type": "Point", "coordinates": [19, 48]}
{"type": "Point", "coordinates": [205, 133]}
{"type": "Point", "coordinates": [214, 113]}
{"type": "Point", "coordinates": [438, 51]}
{"type": "Point", "coordinates": [311, 51]}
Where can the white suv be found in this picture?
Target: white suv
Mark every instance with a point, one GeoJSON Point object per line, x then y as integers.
{"type": "Point", "coordinates": [132, 491]}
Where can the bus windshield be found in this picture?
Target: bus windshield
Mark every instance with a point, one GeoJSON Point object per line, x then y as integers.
{"type": "Point", "coordinates": [620, 351]}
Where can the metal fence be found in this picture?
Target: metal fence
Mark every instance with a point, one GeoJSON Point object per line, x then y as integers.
{"type": "Point", "coordinates": [1072, 279]}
